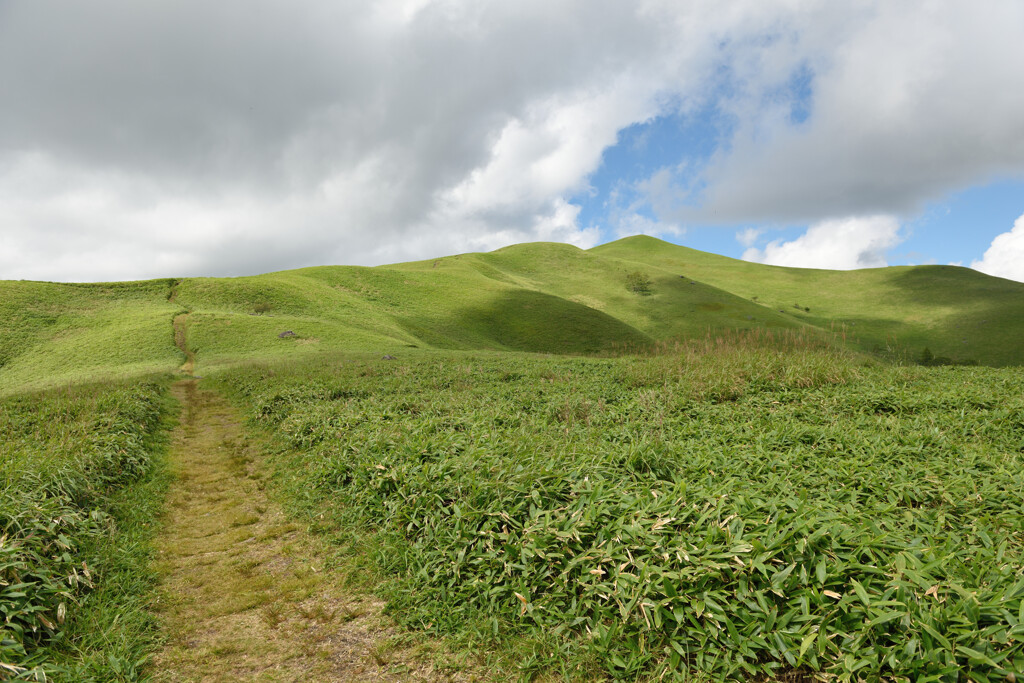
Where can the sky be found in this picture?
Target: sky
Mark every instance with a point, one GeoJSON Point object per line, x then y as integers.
{"type": "Point", "coordinates": [173, 138]}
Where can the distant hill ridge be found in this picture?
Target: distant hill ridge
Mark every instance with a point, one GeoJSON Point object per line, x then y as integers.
{"type": "Point", "coordinates": [540, 297]}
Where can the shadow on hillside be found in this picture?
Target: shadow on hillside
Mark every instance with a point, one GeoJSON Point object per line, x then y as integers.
{"type": "Point", "coordinates": [959, 338]}
{"type": "Point", "coordinates": [525, 320]}
{"type": "Point", "coordinates": [951, 285]}
{"type": "Point", "coordinates": [987, 321]}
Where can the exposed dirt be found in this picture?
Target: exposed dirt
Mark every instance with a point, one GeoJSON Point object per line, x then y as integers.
{"type": "Point", "coordinates": [245, 594]}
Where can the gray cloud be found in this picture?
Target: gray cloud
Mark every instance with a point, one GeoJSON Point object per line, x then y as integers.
{"type": "Point", "coordinates": [909, 101]}
{"type": "Point", "coordinates": [185, 137]}
{"type": "Point", "coordinates": [312, 131]}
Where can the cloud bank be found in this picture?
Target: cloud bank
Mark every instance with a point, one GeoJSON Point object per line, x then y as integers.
{"type": "Point", "coordinates": [834, 245]}
{"type": "Point", "coordinates": [184, 137]}
{"type": "Point", "coordinates": [1005, 257]}
{"type": "Point", "coordinates": [907, 102]}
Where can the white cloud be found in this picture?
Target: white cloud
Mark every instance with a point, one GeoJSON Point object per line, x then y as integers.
{"type": "Point", "coordinates": [626, 215]}
{"type": "Point", "coordinates": [265, 136]}
{"type": "Point", "coordinates": [629, 223]}
{"type": "Point", "coordinates": [908, 101]}
{"type": "Point", "coordinates": [748, 236]}
{"type": "Point", "coordinates": [844, 244]}
{"type": "Point", "coordinates": [181, 137]}
{"type": "Point", "coordinates": [1005, 256]}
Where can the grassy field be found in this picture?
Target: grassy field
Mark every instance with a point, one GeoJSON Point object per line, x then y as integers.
{"type": "Point", "coordinates": [737, 507]}
{"type": "Point", "coordinates": [634, 462]}
{"type": "Point", "coordinates": [73, 559]}
{"type": "Point", "coordinates": [556, 298]}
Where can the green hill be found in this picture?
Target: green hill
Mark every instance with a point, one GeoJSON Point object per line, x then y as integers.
{"type": "Point", "coordinates": [956, 312]}
{"type": "Point", "coordinates": [538, 297]}
{"type": "Point", "coordinates": [52, 334]}
{"type": "Point", "coordinates": [533, 297]}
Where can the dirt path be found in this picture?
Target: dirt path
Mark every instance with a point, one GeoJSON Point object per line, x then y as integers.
{"type": "Point", "coordinates": [180, 340]}
{"type": "Point", "coordinates": [180, 325]}
{"type": "Point", "coordinates": [244, 596]}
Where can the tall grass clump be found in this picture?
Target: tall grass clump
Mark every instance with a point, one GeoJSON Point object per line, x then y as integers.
{"type": "Point", "coordinates": [72, 565]}
{"type": "Point", "coordinates": [622, 519]}
{"type": "Point", "coordinates": [725, 364]}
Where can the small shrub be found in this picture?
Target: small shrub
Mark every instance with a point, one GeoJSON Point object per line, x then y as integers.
{"type": "Point", "coordinates": [638, 282]}
{"type": "Point", "coordinates": [262, 307]}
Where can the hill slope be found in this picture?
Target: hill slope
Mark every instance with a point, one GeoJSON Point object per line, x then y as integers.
{"type": "Point", "coordinates": [533, 297]}
{"type": "Point", "coordinates": [956, 312]}
{"type": "Point", "coordinates": [528, 297]}
{"type": "Point", "coordinates": [53, 334]}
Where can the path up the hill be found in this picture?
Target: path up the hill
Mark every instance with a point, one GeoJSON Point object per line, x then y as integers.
{"type": "Point", "coordinates": [244, 595]}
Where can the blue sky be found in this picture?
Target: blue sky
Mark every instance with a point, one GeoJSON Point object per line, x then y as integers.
{"type": "Point", "coordinates": [957, 227]}
{"type": "Point", "coordinates": [136, 142]}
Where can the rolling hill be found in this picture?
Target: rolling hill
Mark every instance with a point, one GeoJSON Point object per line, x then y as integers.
{"type": "Point", "coordinates": [539, 297]}
{"type": "Point", "coordinates": [956, 312]}
{"type": "Point", "coordinates": [54, 334]}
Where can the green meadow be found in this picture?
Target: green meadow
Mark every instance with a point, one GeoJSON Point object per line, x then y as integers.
{"type": "Point", "coordinates": [637, 462]}
{"type": "Point", "coordinates": [726, 511]}
{"type": "Point", "coordinates": [957, 313]}
{"type": "Point", "coordinates": [61, 334]}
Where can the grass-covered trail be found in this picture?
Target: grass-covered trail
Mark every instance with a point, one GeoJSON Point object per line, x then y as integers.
{"type": "Point", "coordinates": [244, 595]}
{"type": "Point", "coordinates": [180, 325]}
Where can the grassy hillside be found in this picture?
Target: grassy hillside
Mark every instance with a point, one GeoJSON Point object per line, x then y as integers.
{"type": "Point", "coordinates": [537, 297]}
{"type": "Point", "coordinates": [532, 297]}
{"type": "Point", "coordinates": [557, 298]}
{"type": "Point", "coordinates": [743, 499]}
{"type": "Point", "coordinates": [52, 334]}
{"type": "Point", "coordinates": [673, 307]}
{"type": "Point", "coordinates": [956, 312]}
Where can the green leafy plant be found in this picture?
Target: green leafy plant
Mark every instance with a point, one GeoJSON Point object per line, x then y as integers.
{"type": "Point", "coordinates": [63, 459]}
{"type": "Point", "coordinates": [728, 509]}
